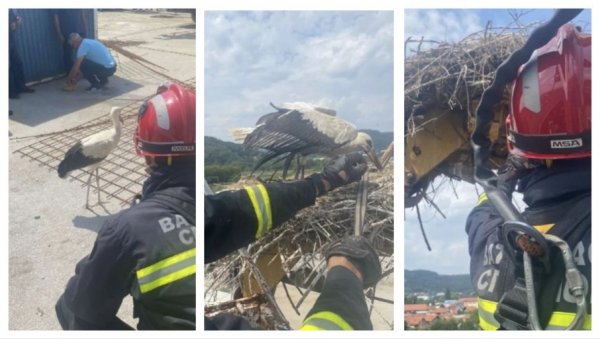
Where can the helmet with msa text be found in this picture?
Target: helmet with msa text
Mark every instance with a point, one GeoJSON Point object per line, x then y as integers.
{"type": "Point", "coordinates": [167, 123]}
{"type": "Point", "coordinates": [551, 115]}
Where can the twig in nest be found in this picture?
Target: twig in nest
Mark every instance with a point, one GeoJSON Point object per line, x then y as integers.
{"type": "Point", "coordinates": [423, 229]}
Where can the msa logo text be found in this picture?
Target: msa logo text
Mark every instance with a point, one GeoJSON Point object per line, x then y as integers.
{"type": "Point", "coordinates": [182, 148]}
{"type": "Point", "coordinates": [567, 143]}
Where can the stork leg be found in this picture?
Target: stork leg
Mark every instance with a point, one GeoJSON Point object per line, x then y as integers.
{"type": "Point", "coordinates": [87, 196]}
{"type": "Point", "coordinates": [297, 175]}
{"type": "Point", "coordinates": [98, 185]}
{"type": "Point", "coordinates": [300, 162]}
{"type": "Point", "coordinates": [97, 175]}
{"type": "Point", "coordinates": [273, 175]}
{"type": "Point", "coordinates": [286, 165]}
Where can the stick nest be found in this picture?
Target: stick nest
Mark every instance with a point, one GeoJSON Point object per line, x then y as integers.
{"type": "Point", "coordinates": [451, 76]}
{"type": "Point", "coordinates": [300, 243]}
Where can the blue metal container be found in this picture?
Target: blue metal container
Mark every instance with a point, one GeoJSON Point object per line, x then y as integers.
{"type": "Point", "coordinates": [38, 45]}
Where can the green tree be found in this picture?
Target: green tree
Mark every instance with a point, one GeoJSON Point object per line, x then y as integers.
{"type": "Point", "coordinates": [444, 325]}
{"type": "Point", "coordinates": [472, 323]}
{"type": "Point", "coordinates": [225, 173]}
{"type": "Point", "coordinates": [410, 299]}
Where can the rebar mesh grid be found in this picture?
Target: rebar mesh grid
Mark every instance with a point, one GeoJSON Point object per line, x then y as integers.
{"type": "Point", "coordinates": [121, 173]}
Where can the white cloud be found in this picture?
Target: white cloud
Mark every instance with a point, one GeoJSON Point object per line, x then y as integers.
{"type": "Point", "coordinates": [343, 60]}
{"type": "Point", "coordinates": [447, 237]}
{"type": "Point", "coordinates": [442, 25]}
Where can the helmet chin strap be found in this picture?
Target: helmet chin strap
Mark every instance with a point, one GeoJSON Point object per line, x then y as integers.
{"type": "Point", "coordinates": [151, 162]}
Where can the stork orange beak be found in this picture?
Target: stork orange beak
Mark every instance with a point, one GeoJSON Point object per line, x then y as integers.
{"type": "Point", "coordinates": [373, 156]}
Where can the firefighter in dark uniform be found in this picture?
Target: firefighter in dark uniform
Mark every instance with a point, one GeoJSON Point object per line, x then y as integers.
{"type": "Point", "coordinates": [549, 134]}
{"type": "Point", "coordinates": [148, 250]}
{"type": "Point", "coordinates": [234, 219]}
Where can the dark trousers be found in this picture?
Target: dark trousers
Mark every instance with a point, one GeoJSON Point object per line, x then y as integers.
{"type": "Point", "coordinates": [95, 73]}
{"type": "Point", "coordinates": [67, 56]}
{"type": "Point", "coordinates": [16, 76]}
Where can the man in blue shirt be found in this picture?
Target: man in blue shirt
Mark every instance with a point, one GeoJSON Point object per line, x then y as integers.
{"type": "Point", "coordinates": [93, 60]}
{"type": "Point", "coordinates": [67, 21]}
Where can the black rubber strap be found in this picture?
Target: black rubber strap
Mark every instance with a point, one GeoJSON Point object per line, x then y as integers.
{"type": "Point", "coordinates": [552, 144]}
{"type": "Point", "coordinates": [183, 149]}
{"type": "Point", "coordinates": [512, 311]}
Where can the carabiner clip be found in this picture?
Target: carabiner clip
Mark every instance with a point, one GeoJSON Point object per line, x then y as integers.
{"type": "Point", "coordinates": [575, 281]}
{"type": "Point", "coordinates": [518, 236]}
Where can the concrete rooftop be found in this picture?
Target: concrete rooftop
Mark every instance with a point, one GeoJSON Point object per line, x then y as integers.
{"type": "Point", "coordinates": [49, 228]}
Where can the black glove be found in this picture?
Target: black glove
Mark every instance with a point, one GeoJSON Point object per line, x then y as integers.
{"type": "Point", "coordinates": [513, 168]}
{"type": "Point", "coordinates": [340, 171]}
{"type": "Point", "coordinates": [358, 250]}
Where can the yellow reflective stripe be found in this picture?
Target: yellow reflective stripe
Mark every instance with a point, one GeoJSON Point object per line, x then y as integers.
{"type": "Point", "coordinates": [563, 319]}
{"type": "Point", "coordinates": [257, 212]}
{"type": "Point", "coordinates": [487, 305]}
{"type": "Point", "coordinates": [543, 228]}
{"type": "Point", "coordinates": [486, 310]}
{"type": "Point", "coordinates": [167, 271]}
{"type": "Point", "coordinates": [166, 262]}
{"type": "Point", "coordinates": [168, 279]}
{"type": "Point", "coordinates": [267, 202]}
{"type": "Point", "coordinates": [262, 208]}
{"type": "Point", "coordinates": [330, 317]}
{"type": "Point", "coordinates": [558, 320]}
{"type": "Point", "coordinates": [486, 326]}
{"type": "Point", "coordinates": [482, 197]}
{"type": "Point", "coordinates": [308, 327]}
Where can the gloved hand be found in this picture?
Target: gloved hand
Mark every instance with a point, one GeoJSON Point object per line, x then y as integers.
{"type": "Point", "coordinates": [360, 253]}
{"type": "Point", "coordinates": [340, 171]}
{"type": "Point", "coordinates": [513, 168]}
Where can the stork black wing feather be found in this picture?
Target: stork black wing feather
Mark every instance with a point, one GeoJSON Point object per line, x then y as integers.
{"type": "Point", "coordinates": [276, 157]}
{"type": "Point", "coordinates": [75, 159]}
{"type": "Point", "coordinates": [294, 132]}
{"type": "Point", "coordinates": [268, 117]}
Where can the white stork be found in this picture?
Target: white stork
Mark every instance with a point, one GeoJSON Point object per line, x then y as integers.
{"type": "Point", "coordinates": [302, 129]}
{"type": "Point", "coordinates": [90, 151]}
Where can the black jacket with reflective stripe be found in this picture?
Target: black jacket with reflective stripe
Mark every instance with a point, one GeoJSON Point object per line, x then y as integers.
{"type": "Point", "coordinates": [230, 223]}
{"type": "Point", "coordinates": [148, 236]}
{"type": "Point", "coordinates": [550, 194]}
{"type": "Point", "coordinates": [230, 220]}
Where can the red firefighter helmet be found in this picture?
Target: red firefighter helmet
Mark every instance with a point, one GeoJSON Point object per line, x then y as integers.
{"type": "Point", "coordinates": [167, 123]}
{"type": "Point", "coordinates": [551, 113]}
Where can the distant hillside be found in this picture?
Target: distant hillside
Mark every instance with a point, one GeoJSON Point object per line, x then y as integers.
{"type": "Point", "coordinates": [381, 140]}
{"type": "Point", "coordinates": [431, 282]}
{"type": "Point", "coordinates": [219, 152]}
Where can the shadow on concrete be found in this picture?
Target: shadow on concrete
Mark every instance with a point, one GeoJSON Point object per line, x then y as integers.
{"type": "Point", "coordinates": [188, 26]}
{"type": "Point", "coordinates": [50, 101]}
{"type": "Point", "coordinates": [163, 16]}
{"type": "Point", "coordinates": [181, 35]}
{"type": "Point", "coordinates": [91, 223]}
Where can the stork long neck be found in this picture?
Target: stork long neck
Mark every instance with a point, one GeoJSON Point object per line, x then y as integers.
{"type": "Point", "coordinates": [352, 146]}
{"type": "Point", "coordinates": [117, 126]}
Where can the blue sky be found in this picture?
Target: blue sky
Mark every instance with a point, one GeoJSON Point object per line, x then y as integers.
{"type": "Point", "coordinates": [452, 25]}
{"type": "Point", "coordinates": [342, 60]}
{"type": "Point", "coordinates": [447, 237]}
